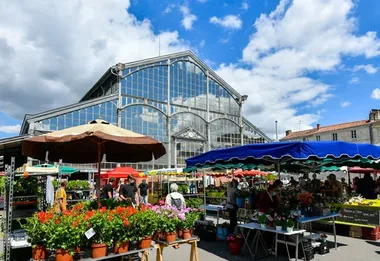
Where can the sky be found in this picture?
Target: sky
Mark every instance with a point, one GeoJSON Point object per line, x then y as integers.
{"type": "Point", "coordinates": [301, 62]}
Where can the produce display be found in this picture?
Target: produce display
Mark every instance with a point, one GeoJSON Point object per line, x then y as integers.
{"type": "Point", "coordinates": [112, 226]}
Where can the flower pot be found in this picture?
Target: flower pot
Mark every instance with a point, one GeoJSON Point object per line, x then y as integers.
{"type": "Point", "coordinates": [170, 237]}
{"type": "Point", "coordinates": [99, 250]}
{"type": "Point", "coordinates": [39, 253]}
{"type": "Point", "coordinates": [77, 250]}
{"type": "Point", "coordinates": [278, 228]}
{"type": "Point", "coordinates": [146, 242]}
{"type": "Point", "coordinates": [63, 255]}
{"type": "Point", "coordinates": [235, 247]}
{"type": "Point", "coordinates": [121, 247]}
{"type": "Point", "coordinates": [240, 202]}
{"type": "Point", "coordinates": [179, 233]}
{"type": "Point", "coordinates": [186, 234]}
{"type": "Point", "coordinates": [289, 229]}
{"type": "Point", "coordinates": [263, 225]}
{"type": "Point", "coordinates": [324, 239]}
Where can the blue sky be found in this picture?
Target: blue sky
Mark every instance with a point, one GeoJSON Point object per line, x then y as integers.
{"type": "Point", "coordinates": [301, 62]}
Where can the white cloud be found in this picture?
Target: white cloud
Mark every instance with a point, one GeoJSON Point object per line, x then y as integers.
{"type": "Point", "coordinates": [10, 129]}
{"type": "Point", "coordinates": [369, 68]}
{"type": "Point", "coordinates": [149, 115]}
{"type": "Point", "coordinates": [188, 18]}
{"type": "Point", "coordinates": [202, 43]}
{"type": "Point", "coordinates": [345, 104]}
{"type": "Point", "coordinates": [244, 6]}
{"type": "Point", "coordinates": [65, 56]}
{"type": "Point", "coordinates": [354, 80]}
{"type": "Point", "coordinates": [287, 45]}
{"type": "Point", "coordinates": [168, 9]}
{"type": "Point", "coordinates": [229, 21]}
{"type": "Point", "coordinates": [376, 94]}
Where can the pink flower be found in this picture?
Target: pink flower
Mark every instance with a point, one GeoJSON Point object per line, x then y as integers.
{"type": "Point", "coordinates": [182, 216]}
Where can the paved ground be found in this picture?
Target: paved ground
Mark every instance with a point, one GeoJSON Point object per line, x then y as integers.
{"type": "Point", "coordinates": [348, 249]}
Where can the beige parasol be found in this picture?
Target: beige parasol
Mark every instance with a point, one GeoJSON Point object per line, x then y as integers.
{"type": "Point", "coordinates": [88, 143]}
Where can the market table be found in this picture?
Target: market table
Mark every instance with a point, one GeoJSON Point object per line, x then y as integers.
{"type": "Point", "coordinates": [258, 238]}
{"type": "Point", "coordinates": [214, 208]}
{"type": "Point", "coordinates": [160, 245]}
{"type": "Point", "coordinates": [145, 255]}
{"type": "Point", "coordinates": [332, 216]}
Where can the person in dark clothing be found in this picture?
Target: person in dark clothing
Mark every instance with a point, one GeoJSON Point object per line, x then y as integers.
{"type": "Point", "coordinates": [315, 184]}
{"type": "Point", "coordinates": [129, 191]}
{"type": "Point", "coordinates": [143, 187]}
{"type": "Point", "coordinates": [107, 191]}
{"type": "Point", "coordinates": [327, 189]}
{"type": "Point", "coordinates": [232, 205]}
{"type": "Point", "coordinates": [267, 202]}
{"type": "Point", "coordinates": [355, 184]}
{"type": "Point", "coordinates": [367, 186]}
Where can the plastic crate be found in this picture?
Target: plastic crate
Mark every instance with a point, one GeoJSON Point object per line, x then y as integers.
{"type": "Point", "coordinates": [371, 233]}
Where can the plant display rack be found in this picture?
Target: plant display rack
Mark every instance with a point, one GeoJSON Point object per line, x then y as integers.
{"type": "Point", "coordinates": [12, 215]}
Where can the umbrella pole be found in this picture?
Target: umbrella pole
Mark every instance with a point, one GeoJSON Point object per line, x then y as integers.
{"type": "Point", "coordinates": [98, 179]}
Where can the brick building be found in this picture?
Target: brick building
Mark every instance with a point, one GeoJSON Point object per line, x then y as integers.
{"type": "Point", "coordinates": [363, 131]}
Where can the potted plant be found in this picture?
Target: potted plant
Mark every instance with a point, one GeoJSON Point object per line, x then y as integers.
{"type": "Point", "coordinates": [189, 222]}
{"type": "Point", "coordinates": [234, 243]}
{"type": "Point", "coordinates": [263, 220]}
{"type": "Point", "coordinates": [103, 238]}
{"type": "Point", "coordinates": [289, 224]}
{"type": "Point", "coordinates": [278, 222]}
{"type": "Point", "coordinates": [144, 225]}
{"type": "Point", "coordinates": [36, 229]}
{"type": "Point", "coordinates": [324, 238]}
{"type": "Point", "coordinates": [170, 223]}
{"type": "Point", "coordinates": [119, 222]}
{"type": "Point", "coordinates": [62, 236]}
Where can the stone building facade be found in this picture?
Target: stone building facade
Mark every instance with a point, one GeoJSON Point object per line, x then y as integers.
{"type": "Point", "coordinates": [363, 131]}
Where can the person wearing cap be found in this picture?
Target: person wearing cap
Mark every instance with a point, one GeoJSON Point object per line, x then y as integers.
{"type": "Point", "coordinates": [129, 191]}
{"type": "Point", "coordinates": [60, 198]}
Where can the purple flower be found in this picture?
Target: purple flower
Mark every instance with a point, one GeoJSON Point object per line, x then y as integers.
{"type": "Point", "coordinates": [182, 216]}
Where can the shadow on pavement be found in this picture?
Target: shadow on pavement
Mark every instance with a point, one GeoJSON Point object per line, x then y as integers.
{"type": "Point", "coordinates": [374, 243]}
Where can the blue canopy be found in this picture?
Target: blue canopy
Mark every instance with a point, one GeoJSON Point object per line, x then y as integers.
{"type": "Point", "coordinates": [268, 153]}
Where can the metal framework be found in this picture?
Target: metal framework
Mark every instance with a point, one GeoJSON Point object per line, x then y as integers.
{"type": "Point", "coordinates": [9, 200]}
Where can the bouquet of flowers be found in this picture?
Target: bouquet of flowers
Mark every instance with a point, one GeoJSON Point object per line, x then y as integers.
{"type": "Point", "coordinates": [234, 237]}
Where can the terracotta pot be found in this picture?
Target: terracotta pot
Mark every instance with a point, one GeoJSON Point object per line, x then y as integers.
{"type": "Point", "coordinates": [170, 237]}
{"type": "Point", "coordinates": [180, 233]}
{"type": "Point", "coordinates": [186, 234]}
{"type": "Point", "coordinates": [77, 250]}
{"type": "Point", "coordinates": [99, 250]}
{"type": "Point", "coordinates": [121, 247]}
{"type": "Point", "coordinates": [146, 242]}
{"type": "Point", "coordinates": [63, 255]}
{"type": "Point", "coordinates": [39, 253]}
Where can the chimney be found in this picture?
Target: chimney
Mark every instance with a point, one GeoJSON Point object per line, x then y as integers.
{"type": "Point", "coordinates": [374, 115]}
{"type": "Point", "coordinates": [318, 126]}
{"type": "Point", "coordinates": [287, 132]}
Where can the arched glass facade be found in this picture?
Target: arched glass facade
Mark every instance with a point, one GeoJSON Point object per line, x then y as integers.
{"type": "Point", "coordinates": [177, 101]}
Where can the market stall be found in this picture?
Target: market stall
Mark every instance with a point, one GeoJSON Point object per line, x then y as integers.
{"type": "Point", "coordinates": [298, 208]}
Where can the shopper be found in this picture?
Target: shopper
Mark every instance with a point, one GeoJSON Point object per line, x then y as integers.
{"type": "Point", "coordinates": [267, 202]}
{"type": "Point", "coordinates": [107, 191]}
{"type": "Point", "coordinates": [367, 186]}
{"type": "Point", "coordinates": [128, 191]}
{"type": "Point", "coordinates": [345, 187]}
{"type": "Point", "coordinates": [60, 198]}
{"type": "Point", "coordinates": [232, 205]}
{"type": "Point", "coordinates": [143, 188]}
{"type": "Point", "coordinates": [175, 198]}
{"type": "Point", "coordinates": [315, 184]}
